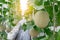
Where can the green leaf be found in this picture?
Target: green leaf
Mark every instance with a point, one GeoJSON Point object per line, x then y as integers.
{"type": "Point", "coordinates": [24, 27]}
{"type": "Point", "coordinates": [58, 35]}
{"type": "Point", "coordinates": [58, 19]}
{"type": "Point", "coordinates": [1, 10]}
{"type": "Point", "coordinates": [0, 4]}
{"type": "Point", "coordinates": [49, 9]}
{"type": "Point", "coordinates": [58, 3]}
{"type": "Point", "coordinates": [38, 2]}
{"type": "Point", "coordinates": [48, 31]}
{"type": "Point", "coordinates": [46, 3]}
{"type": "Point", "coordinates": [58, 14]}
{"type": "Point", "coordinates": [3, 35]}
{"type": "Point", "coordinates": [56, 8]}
{"type": "Point", "coordinates": [0, 18]}
{"type": "Point", "coordinates": [2, 1]}
{"type": "Point", "coordinates": [6, 9]}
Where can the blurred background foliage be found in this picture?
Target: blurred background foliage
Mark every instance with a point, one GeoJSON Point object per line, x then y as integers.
{"type": "Point", "coordinates": [10, 14]}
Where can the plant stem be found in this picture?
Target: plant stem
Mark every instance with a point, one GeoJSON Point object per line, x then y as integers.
{"type": "Point", "coordinates": [54, 19]}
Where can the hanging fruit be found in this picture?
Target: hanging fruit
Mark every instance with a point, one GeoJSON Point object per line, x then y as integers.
{"type": "Point", "coordinates": [33, 33]}
{"type": "Point", "coordinates": [41, 19]}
